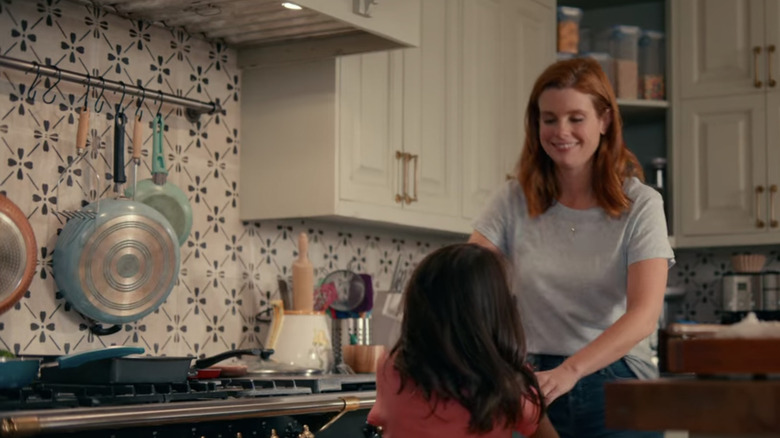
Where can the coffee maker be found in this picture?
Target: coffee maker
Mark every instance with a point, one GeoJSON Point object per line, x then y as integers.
{"type": "Point", "coordinates": [757, 292]}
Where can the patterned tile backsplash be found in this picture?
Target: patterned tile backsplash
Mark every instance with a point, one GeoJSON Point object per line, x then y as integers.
{"type": "Point", "coordinates": [229, 269]}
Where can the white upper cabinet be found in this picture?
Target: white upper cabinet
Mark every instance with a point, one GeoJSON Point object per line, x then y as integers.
{"type": "Point", "coordinates": [369, 97]}
{"type": "Point", "coordinates": [482, 91]}
{"type": "Point", "coordinates": [726, 46]}
{"type": "Point", "coordinates": [727, 169]}
{"type": "Point", "coordinates": [398, 119]}
{"type": "Point", "coordinates": [397, 20]}
{"type": "Point", "coordinates": [402, 137]}
{"type": "Point", "coordinates": [500, 40]}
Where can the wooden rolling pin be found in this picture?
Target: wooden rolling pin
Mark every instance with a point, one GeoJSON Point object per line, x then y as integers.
{"type": "Point", "coordinates": [303, 277]}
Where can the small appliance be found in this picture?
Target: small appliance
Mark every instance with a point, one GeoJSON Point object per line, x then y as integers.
{"type": "Point", "coordinates": [756, 292]}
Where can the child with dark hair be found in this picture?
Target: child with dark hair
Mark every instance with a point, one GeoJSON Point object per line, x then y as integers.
{"type": "Point", "coordinates": [458, 368]}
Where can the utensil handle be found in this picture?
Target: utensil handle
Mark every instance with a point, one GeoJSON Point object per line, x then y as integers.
{"type": "Point", "coordinates": [158, 158]}
{"type": "Point", "coordinates": [81, 134]}
{"type": "Point", "coordinates": [119, 147]}
{"type": "Point", "coordinates": [208, 361]}
{"type": "Point", "coordinates": [137, 139]}
{"type": "Point", "coordinates": [76, 359]}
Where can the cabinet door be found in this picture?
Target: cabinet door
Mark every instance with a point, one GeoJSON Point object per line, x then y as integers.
{"type": "Point", "coordinates": [369, 91]}
{"type": "Point", "coordinates": [482, 103]}
{"type": "Point", "coordinates": [773, 121]}
{"type": "Point", "coordinates": [772, 197]}
{"type": "Point", "coordinates": [430, 111]}
{"type": "Point", "coordinates": [722, 161]}
{"type": "Point", "coordinates": [716, 44]}
{"type": "Point", "coordinates": [529, 33]}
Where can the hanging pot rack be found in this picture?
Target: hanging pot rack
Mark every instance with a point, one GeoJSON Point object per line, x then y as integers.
{"type": "Point", "coordinates": [193, 108]}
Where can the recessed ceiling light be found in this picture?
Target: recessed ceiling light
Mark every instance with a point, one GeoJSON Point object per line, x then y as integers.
{"type": "Point", "coordinates": [292, 6]}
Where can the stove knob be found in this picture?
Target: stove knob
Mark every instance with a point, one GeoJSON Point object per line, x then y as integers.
{"type": "Point", "coordinates": [306, 433]}
{"type": "Point", "coordinates": [273, 434]}
{"type": "Point", "coordinates": [239, 435]}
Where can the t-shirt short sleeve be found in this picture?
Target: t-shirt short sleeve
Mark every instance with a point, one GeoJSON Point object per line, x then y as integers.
{"type": "Point", "coordinates": [494, 221]}
{"type": "Point", "coordinates": [648, 236]}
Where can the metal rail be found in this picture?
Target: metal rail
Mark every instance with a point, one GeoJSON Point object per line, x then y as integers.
{"type": "Point", "coordinates": [69, 420]}
{"type": "Point", "coordinates": [194, 108]}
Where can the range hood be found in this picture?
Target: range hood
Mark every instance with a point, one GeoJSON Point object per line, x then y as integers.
{"type": "Point", "coordinates": [265, 32]}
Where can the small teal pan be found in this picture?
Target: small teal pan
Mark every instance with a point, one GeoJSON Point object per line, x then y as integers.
{"type": "Point", "coordinates": [161, 195]}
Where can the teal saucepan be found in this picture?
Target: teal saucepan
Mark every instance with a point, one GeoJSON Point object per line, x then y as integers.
{"type": "Point", "coordinates": [119, 260]}
{"type": "Point", "coordinates": [17, 373]}
{"type": "Point", "coordinates": [160, 194]}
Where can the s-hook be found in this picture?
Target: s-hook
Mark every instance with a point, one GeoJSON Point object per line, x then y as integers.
{"type": "Point", "coordinates": [159, 108]}
{"type": "Point", "coordinates": [59, 78]}
{"type": "Point", "coordinates": [102, 90]}
{"type": "Point", "coordinates": [119, 108]}
{"type": "Point", "coordinates": [30, 92]}
{"type": "Point", "coordinates": [86, 95]}
{"type": "Point", "coordinates": [139, 113]}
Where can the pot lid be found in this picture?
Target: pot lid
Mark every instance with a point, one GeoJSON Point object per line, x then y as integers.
{"type": "Point", "coordinates": [274, 368]}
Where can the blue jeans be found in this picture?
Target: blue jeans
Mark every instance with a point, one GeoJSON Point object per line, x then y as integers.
{"type": "Point", "coordinates": [580, 412]}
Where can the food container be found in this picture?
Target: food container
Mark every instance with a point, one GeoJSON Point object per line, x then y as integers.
{"type": "Point", "coordinates": [606, 62]}
{"type": "Point", "coordinates": [585, 40]}
{"type": "Point", "coordinates": [622, 43]}
{"type": "Point", "coordinates": [651, 65]}
{"type": "Point", "coordinates": [568, 29]}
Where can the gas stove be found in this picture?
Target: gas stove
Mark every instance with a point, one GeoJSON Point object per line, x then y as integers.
{"type": "Point", "coordinates": [219, 406]}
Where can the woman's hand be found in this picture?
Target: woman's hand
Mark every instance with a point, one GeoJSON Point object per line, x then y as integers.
{"type": "Point", "coordinates": [556, 382]}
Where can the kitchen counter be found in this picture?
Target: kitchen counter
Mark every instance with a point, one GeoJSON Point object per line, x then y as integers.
{"type": "Point", "coordinates": [726, 407]}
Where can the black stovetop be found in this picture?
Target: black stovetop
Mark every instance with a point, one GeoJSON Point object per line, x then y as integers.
{"type": "Point", "coordinates": [41, 395]}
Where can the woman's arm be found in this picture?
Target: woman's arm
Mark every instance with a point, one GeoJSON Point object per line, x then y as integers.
{"type": "Point", "coordinates": [644, 302]}
{"type": "Point", "coordinates": [545, 429]}
{"type": "Point", "coordinates": [481, 240]}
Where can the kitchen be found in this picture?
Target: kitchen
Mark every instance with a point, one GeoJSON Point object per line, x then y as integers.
{"type": "Point", "coordinates": [231, 261]}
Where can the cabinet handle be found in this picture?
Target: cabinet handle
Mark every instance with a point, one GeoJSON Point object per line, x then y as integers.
{"type": "Point", "coordinates": [756, 52]}
{"type": "Point", "coordinates": [769, 51]}
{"type": "Point", "coordinates": [400, 198]}
{"type": "Point", "coordinates": [772, 220]}
{"type": "Point", "coordinates": [414, 157]}
{"type": "Point", "coordinates": [759, 192]}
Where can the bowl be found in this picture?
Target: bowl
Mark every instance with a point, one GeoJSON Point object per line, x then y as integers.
{"type": "Point", "coordinates": [748, 262]}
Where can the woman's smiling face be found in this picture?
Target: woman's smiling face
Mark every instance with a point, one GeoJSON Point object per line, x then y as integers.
{"type": "Point", "coordinates": [569, 128]}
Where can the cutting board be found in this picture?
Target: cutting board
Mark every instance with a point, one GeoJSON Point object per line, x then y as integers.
{"type": "Point", "coordinates": [695, 348]}
{"type": "Point", "coordinates": [723, 356]}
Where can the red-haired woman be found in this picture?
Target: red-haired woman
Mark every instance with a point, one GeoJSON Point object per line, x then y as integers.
{"type": "Point", "coordinates": [588, 244]}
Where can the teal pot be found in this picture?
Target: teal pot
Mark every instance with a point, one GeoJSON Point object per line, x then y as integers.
{"type": "Point", "coordinates": [17, 373]}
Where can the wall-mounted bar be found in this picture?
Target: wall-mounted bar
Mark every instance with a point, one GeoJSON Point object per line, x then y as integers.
{"type": "Point", "coordinates": [194, 108]}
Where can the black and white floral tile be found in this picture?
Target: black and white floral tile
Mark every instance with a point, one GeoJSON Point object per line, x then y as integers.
{"type": "Point", "coordinates": [229, 270]}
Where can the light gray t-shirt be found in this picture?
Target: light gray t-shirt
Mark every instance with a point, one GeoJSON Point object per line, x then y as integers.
{"type": "Point", "coordinates": [570, 266]}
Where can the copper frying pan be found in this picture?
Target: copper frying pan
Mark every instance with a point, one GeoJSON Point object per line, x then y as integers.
{"type": "Point", "coordinates": [17, 253]}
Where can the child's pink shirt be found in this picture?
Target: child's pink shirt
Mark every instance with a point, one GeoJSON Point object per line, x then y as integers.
{"type": "Point", "coordinates": [408, 414]}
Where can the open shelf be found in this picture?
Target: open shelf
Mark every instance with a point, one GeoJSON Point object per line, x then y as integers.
{"type": "Point", "coordinates": [599, 4]}
{"type": "Point", "coordinates": [643, 108]}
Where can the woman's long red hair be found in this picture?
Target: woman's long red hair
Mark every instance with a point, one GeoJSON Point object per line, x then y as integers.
{"type": "Point", "coordinates": [613, 162]}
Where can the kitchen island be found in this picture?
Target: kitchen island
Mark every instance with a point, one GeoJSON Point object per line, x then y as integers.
{"type": "Point", "coordinates": [738, 406]}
